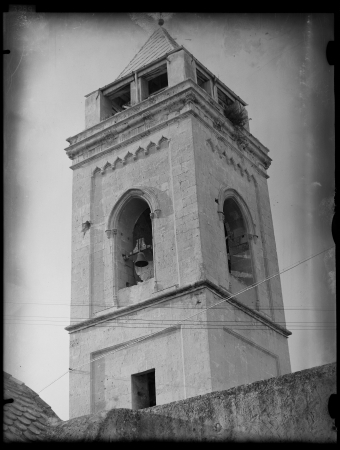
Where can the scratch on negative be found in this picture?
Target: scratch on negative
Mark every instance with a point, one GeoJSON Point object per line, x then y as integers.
{"type": "Point", "coordinates": [16, 70]}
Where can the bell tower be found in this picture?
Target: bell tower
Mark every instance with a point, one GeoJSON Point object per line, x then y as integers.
{"type": "Point", "coordinates": [171, 216]}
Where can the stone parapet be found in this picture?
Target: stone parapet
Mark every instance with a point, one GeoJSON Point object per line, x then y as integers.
{"type": "Point", "coordinates": [289, 408]}
{"type": "Point", "coordinates": [157, 112]}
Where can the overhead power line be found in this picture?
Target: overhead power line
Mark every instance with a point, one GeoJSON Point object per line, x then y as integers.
{"type": "Point", "coordinates": [141, 338]}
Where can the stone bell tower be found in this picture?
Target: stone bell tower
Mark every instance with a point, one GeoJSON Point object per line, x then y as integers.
{"type": "Point", "coordinates": [171, 215]}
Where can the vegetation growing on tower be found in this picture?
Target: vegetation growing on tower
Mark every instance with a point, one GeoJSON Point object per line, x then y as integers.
{"type": "Point", "coordinates": [236, 114]}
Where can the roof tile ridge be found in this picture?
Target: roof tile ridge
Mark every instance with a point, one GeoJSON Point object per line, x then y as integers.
{"type": "Point", "coordinates": [31, 394]}
{"type": "Point", "coordinates": [16, 381]}
{"type": "Point", "coordinates": [169, 38]}
{"type": "Point", "coordinates": [139, 51]}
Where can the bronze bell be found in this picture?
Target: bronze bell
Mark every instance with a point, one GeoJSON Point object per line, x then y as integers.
{"type": "Point", "coordinates": [141, 260]}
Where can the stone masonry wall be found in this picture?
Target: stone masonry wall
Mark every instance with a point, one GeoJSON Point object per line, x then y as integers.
{"type": "Point", "coordinates": [218, 165]}
{"type": "Point", "coordinates": [170, 171]}
{"type": "Point", "coordinates": [179, 355]}
{"type": "Point", "coordinates": [289, 408]}
{"type": "Point", "coordinates": [216, 349]}
{"type": "Point", "coordinates": [242, 349]}
{"type": "Point", "coordinates": [183, 166]}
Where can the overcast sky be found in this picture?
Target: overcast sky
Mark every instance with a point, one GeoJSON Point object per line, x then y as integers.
{"type": "Point", "coordinates": [275, 63]}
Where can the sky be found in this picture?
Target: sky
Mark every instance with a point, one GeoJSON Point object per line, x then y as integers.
{"type": "Point", "coordinates": [275, 62]}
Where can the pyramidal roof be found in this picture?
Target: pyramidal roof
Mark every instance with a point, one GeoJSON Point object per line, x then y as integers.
{"type": "Point", "coordinates": [159, 44]}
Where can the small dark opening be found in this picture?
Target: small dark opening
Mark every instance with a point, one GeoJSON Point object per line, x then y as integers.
{"type": "Point", "coordinates": [143, 387]}
{"type": "Point", "coordinates": [333, 409]}
{"type": "Point", "coordinates": [158, 83]}
{"type": "Point", "coordinates": [142, 241]}
{"type": "Point", "coordinates": [237, 243]}
{"type": "Point", "coordinates": [121, 99]}
{"type": "Point", "coordinates": [152, 388]}
{"type": "Point", "coordinates": [223, 99]}
{"type": "Point", "coordinates": [143, 229]}
{"type": "Point", "coordinates": [203, 81]}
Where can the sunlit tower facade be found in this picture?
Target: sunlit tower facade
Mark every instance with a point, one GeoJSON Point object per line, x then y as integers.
{"type": "Point", "coordinates": [171, 215]}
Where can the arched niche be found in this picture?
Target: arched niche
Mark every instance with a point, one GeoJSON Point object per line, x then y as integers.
{"type": "Point", "coordinates": [132, 227]}
{"type": "Point", "coordinates": [134, 236]}
{"type": "Point", "coordinates": [146, 193]}
{"type": "Point", "coordinates": [238, 244]}
{"type": "Point", "coordinates": [240, 237]}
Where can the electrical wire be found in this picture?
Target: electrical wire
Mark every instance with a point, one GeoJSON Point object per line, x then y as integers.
{"type": "Point", "coordinates": [141, 338]}
{"type": "Point", "coordinates": [163, 307]}
{"type": "Point", "coordinates": [141, 321]}
{"type": "Point", "coordinates": [210, 327]}
{"type": "Point", "coordinates": [174, 308]}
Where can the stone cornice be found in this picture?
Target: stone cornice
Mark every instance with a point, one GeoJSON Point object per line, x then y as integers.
{"type": "Point", "coordinates": [115, 128]}
{"type": "Point", "coordinates": [135, 155]}
{"type": "Point", "coordinates": [123, 120]}
{"type": "Point", "coordinates": [241, 154]}
{"type": "Point", "coordinates": [223, 293]}
{"type": "Point", "coordinates": [221, 124]}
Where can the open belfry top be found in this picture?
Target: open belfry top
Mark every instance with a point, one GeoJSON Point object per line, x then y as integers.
{"type": "Point", "coordinates": [159, 44]}
{"type": "Point", "coordinates": [171, 216]}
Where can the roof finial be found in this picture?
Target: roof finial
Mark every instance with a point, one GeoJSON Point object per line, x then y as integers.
{"type": "Point", "coordinates": [160, 20]}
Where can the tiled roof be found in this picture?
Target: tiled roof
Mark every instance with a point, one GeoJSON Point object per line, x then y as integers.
{"type": "Point", "coordinates": [28, 417]}
{"type": "Point", "coordinates": [159, 43]}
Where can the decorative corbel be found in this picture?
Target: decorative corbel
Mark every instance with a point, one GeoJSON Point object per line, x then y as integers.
{"type": "Point", "coordinates": [221, 215]}
{"type": "Point", "coordinates": [155, 214]}
{"type": "Point", "coordinates": [150, 145]}
{"type": "Point", "coordinates": [219, 151]}
{"type": "Point", "coordinates": [110, 233]}
{"type": "Point", "coordinates": [190, 98]}
{"type": "Point", "coordinates": [247, 173]}
{"type": "Point", "coordinates": [162, 139]}
{"type": "Point", "coordinates": [211, 145]}
{"type": "Point", "coordinates": [252, 236]}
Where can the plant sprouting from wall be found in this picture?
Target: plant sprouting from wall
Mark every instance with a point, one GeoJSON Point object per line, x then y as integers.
{"type": "Point", "coordinates": [238, 117]}
{"type": "Point", "coordinates": [236, 114]}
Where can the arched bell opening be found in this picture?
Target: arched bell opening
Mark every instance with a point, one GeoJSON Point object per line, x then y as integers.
{"type": "Point", "coordinates": [142, 251]}
{"type": "Point", "coordinates": [134, 244]}
{"type": "Point", "coordinates": [237, 243]}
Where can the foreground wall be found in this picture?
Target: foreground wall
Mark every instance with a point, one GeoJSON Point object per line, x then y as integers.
{"type": "Point", "coordinates": [292, 407]}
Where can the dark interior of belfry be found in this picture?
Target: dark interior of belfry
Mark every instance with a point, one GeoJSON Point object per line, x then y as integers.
{"type": "Point", "coordinates": [142, 238]}
{"type": "Point", "coordinates": [237, 243]}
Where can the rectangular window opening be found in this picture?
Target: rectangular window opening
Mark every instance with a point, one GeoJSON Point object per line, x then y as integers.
{"type": "Point", "coordinates": [154, 81]}
{"type": "Point", "coordinates": [143, 389]}
{"type": "Point", "coordinates": [223, 99]}
{"type": "Point", "coordinates": [157, 84]}
{"type": "Point", "coordinates": [202, 81]}
{"type": "Point", "coordinates": [121, 99]}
